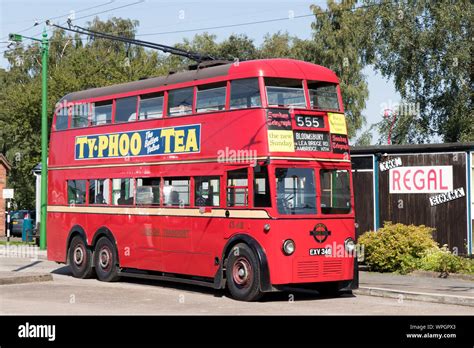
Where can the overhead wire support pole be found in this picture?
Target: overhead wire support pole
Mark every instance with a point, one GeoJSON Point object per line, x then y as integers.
{"type": "Point", "coordinates": [44, 127]}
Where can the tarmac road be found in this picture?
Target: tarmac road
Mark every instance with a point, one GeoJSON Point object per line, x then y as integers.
{"type": "Point", "coordinates": [66, 295]}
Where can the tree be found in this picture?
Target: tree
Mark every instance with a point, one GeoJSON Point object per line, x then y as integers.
{"type": "Point", "coordinates": [426, 46]}
{"type": "Point", "coordinates": [339, 34]}
{"type": "Point", "coordinates": [74, 64]}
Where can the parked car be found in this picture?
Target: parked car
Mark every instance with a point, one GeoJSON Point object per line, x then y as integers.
{"type": "Point", "coordinates": [16, 221]}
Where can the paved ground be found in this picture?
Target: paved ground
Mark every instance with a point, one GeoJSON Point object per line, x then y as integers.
{"type": "Point", "coordinates": [67, 295]}
{"type": "Point", "coordinates": [448, 286]}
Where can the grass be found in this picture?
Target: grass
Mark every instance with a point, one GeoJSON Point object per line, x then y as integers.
{"type": "Point", "coordinates": [14, 242]}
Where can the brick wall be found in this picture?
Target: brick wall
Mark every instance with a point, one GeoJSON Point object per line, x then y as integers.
{"type": "Point", "coordinates": [3, 183]}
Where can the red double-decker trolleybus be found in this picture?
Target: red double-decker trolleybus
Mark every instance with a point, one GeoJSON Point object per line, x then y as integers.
{"type": "Point", "coordinates": [232, 176]}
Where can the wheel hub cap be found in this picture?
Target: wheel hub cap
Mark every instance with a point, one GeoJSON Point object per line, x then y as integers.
{"type": "Point", "coordinates": [78, 255]}
{"type": "Point", "coordinates": [242, 272]}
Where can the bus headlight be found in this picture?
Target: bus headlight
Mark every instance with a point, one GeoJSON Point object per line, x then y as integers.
{"type": "Point", "coordinates": [289, 247]}
{"type": "Point", "coordinates": [349, 244]}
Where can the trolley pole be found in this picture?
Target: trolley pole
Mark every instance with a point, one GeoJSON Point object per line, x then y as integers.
{"type": "Point", "coordinates": [44, 128]}
{"type": "Point", "coordinates": [44, 139]}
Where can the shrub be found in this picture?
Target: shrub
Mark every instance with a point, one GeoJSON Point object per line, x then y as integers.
{"type": "Point", "coordinates": [396, 247]}
{"type": "Point", "coordinates": [442, 260]}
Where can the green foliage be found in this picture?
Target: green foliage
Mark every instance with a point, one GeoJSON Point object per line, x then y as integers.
{"type": "Point", "coordinates": [338, 41]}
{"type": "Point", "coordinates": [396, 247]}
{"type": "Point", "coordinates": [73, 65]}
{"type": "Point", "coordinates": [443, 261]}
{"type": "Point", "coordinates": [426, 47]}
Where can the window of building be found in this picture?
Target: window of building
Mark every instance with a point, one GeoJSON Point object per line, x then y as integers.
{"type": "Point", "coordinates": [285, 92]}
{"type": "Point", "coordinates": [245, 93]}
{"type": "Point", "coordinates": [80, 115]}
{"type": "Point", "coordinates": [206, 191]}
{"type": "Point", "coordinates": [122, 191]}
{"type": "Point", "coordinates": [126, 109]}
{"type": "Point", "coordinates": [296, 191]}
{"type": "Point", "coordinates": [323, 95]}
{"type": "Point", "coordinates": [101, 113]}
{"type": "Point", "coordinates": [62, 119]}
{"type": "Point", "coordinates": [180, 101]}
{"type": "Point", "coordinates": [237, 188]}
{"type": "Point", "coordinates": [211, 97]}
{"type": "Point", "coordinates": [148, 191]}
{"type": "Point", "coordinates": [76, 191]}
{"type": "Point", "coordinates": [99, 191]}
{"type": "Point", "coordinates": [335, 191]}
{"type": "Point", "coordinates": [261, 187]}
{"type": "Point", "coordinates": [151, 106]}
{"type": "Point", "coordinates": [176, 191]}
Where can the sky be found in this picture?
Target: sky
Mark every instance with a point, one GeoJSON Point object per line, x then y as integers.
{"type": "Point", "coordinates": [169, 22]}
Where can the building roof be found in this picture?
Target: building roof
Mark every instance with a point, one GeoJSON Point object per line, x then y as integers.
{"type": "Point", "coordinates": [290, 68]}
{"type": "Point", "coordinates": [4, 162]}
{"type": "Point", "coordinates": [446, 147]}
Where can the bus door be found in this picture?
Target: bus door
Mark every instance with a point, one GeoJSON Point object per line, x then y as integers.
{"type": "Point", "coordinates": [190, 230]}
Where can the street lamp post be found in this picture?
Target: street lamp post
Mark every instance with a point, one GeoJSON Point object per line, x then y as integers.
{"type": "Point", "coordinates": [44, 128]}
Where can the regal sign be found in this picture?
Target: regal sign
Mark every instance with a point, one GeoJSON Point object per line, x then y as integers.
{"type": "Point", "coordinates": [427, 179]}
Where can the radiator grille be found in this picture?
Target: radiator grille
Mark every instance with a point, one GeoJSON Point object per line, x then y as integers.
{"type": "Point", "coordinates": [307, 269]}
{"type": "Point", "coordinates": [332, 267]}
{"type": "Point", "coordinates": [318, 268]}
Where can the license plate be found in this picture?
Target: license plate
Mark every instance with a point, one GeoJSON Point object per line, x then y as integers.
{"type": "Point", "coordinates": [15, 222]}
{"type": "Point", "coordinates": [320, 251]}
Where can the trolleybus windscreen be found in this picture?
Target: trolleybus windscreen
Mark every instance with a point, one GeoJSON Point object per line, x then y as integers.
{"type": "Point", "coordinates": [296, 191]}
{"type": "Point", "coordinates": [323, 95]}
{"type": "Point", "coordinates": [285, 92]}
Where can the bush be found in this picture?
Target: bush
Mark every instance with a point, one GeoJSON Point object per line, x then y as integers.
{"type": "Point", "coordinates": [396, 247]}
{"type": "Point", "coordinates": [443, 261]}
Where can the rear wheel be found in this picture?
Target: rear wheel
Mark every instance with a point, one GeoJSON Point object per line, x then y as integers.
{"type": "Point", "coordinates": [80, 258]}
{"type": "Point", "coordinates": [243, 274]}
{"type": "Point", "coordinates": [106, 260]}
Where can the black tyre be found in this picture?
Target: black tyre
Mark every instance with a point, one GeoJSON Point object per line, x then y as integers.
{"type": "Point", "coordinates": [106, 260]}
{"type": "Point", "coordinates": [80, 258]}
{"type": "Point", "coordinates": [243, 273]}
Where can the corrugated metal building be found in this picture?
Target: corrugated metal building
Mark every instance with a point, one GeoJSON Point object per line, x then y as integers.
{"type": "Point", "coordinates": [429, 184]}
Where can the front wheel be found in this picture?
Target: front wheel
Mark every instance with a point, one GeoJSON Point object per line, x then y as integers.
{"type": "Point", "coordinates": [106, 260]}
{"type": "Point", "coordinates": [243, 273]}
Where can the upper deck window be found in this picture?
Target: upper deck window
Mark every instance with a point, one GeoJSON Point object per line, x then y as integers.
{"type": "Point", "coordinates": [211, 97]}
{"type": "Point", "coordinates": [180, 101]}
{"type": "Point", "coordinates": [244, 93]}
{"type": "Point", "coordinates": [323, 95]}
{"type": "Point", "coordinates": [101, 113]}
{"type": "Point", "coordinates": [151, 106]}
{"type": "Point", "coordinates": [62, 118]}
{"type": "Point", "coordinates": [80, 115]}
{"type": "Point", "coordinates": [285, 92]}
{"type": "Point", "coordinates": [126, 109]}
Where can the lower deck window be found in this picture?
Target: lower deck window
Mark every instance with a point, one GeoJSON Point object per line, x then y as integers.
{"type": "Point", "coordinates": [237, 188]}
{"type": "Point", "coordinates": [148, 191]}
{"type": "Point", "coordinates": [99, 191]}
{"type": "Point", "coordinates": [76, 191]}
{"type": "Point", "coordinates": [206, 191]}
{"type": "Point", "coordinates": [122, 191]}
{"type": "Point", "coordinates": [176, 191]}
{"type": "Point", "coordinates": [335, 191]}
